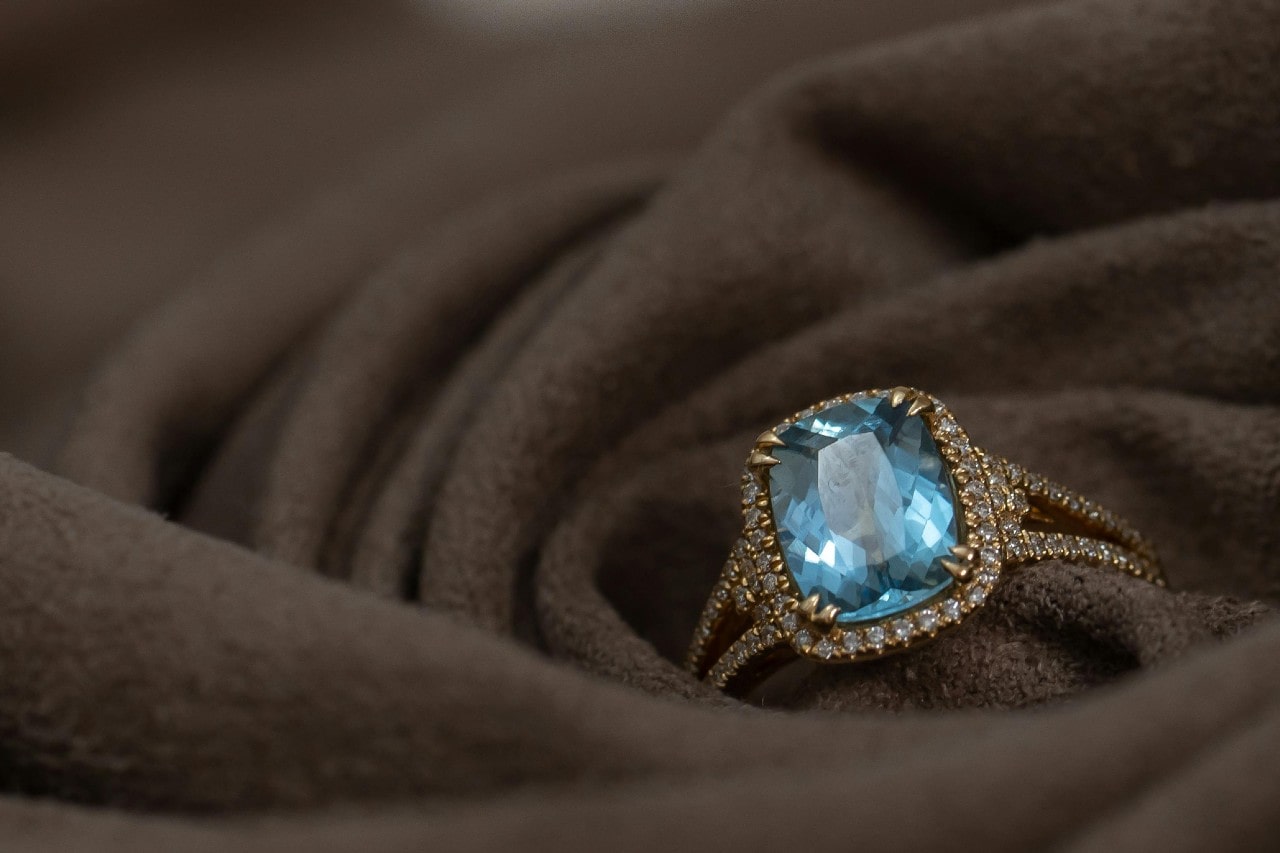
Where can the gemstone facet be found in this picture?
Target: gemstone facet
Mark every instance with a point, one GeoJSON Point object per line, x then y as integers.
{"type": "Point", "coordinates": [865, 508]}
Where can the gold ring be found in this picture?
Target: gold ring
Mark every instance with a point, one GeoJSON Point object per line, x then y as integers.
{"type": "Point", "coordinates": [871, 524]}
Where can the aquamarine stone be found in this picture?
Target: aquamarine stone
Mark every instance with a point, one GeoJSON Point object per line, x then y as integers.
{"type": "Point", "coordinates": [865, 508]}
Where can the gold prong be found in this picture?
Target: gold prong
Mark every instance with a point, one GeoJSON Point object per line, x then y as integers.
{"type": "Point", "coordinates": [760, 459]}
{"type": "Point", "coordinates": [769, 438]}
{"type": "Point", "coordinates": [959, 571]}
{"type": "Point", "coordinates": [964, 552]}
{"type": "Point", "coordinates": [920, 404]}
{"type": "Point", "coordinates": [898, 396]}
{"type": "Point", "coordinates": [810, 605]}
{"type": "Point", "coordinates": [827, 615]}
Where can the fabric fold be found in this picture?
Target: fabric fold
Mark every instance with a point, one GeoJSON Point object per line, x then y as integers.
{"type": "Point", "coordinates": [389, 528]}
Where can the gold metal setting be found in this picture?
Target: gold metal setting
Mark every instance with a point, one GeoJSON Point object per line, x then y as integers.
{"type": "Point", "coordinates": [1010, 518]}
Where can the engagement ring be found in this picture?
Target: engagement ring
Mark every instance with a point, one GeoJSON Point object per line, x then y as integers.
{"type": "Point", "coordinates": [871, 524]}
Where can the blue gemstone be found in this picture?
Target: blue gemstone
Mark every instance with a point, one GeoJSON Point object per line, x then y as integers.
{"type": "Point", "coordinates": [865, 508]}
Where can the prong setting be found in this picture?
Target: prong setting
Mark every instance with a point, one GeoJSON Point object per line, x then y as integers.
{"type": "Point", "coordinates": [804, 623]}
{"type": "Point", "coordinates": [959, 571]}
{"type": "Point", "coordinates": [769, 438]}
{"type": "Point", "coordinates": [991, 504]}
{"type": "Point", "coordinates": [920, 404]}
{"type": "Point", "coordinates": [827, 616]}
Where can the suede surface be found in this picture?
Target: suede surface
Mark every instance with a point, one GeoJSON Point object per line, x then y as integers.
{"type": "Point", "coordinates": [386, 526]}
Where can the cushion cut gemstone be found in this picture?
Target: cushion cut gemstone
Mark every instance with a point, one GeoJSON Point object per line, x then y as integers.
{"type": "Point", "coordinates": [865, 508]}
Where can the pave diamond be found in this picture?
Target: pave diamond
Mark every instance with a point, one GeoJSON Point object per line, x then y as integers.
{"type": "Point", "coordinates": [865, 509]}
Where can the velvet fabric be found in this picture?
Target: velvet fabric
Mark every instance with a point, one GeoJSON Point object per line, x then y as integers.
{"type": "Point", "coordinates": [385, 527]}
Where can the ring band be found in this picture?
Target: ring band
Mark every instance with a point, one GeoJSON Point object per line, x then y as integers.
{"type": "Point", "coordinates": [871, 524]}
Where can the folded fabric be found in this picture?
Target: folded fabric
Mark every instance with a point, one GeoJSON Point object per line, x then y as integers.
{"type": "Point", "coordinates": [389, 530]}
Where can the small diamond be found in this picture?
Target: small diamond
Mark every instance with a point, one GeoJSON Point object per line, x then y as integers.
{"type": "Point", "coordinates": [722, 594]}
{"type": "Point", "coordinates": [902, 629]}
{"type": "Point", "coordinates": [982, 509]}
{"type": "Point", "coordinates": [825, 648]}
{"type": "Point", "coordinates": [768, 635]}
{"type": "Point", "coordinates": [1018, 502]}
{"type": "Point", "coordinates": [770, 582]}
{"type": "Point", "coordinates": [757, 537]}
{"type": "Point", "coordinates": [951, 609]}
{"type": "Point", "coordinates": [761, 613]}
{"type": "Point", "coordinates": [975, 488]}
{"type": "Point", "coordinates": [752, 491]}
{"type": "Point", "coordinates": [875, 637]}
{"type": "Point", "coordinates": [803, 638]}
{"type": "Point", "coordinates": [850, 641]}
{"type": "Point", "coordinates": [947, 426]}
{"type": "Point", "coordinates": [740, 597]}
{"type": "Point", "coordinates": [986, 578]}
{"type": "Point", "coordinates": [977, 595]}
{"type": "Point", "coordinates": [763, 561]}
{"type": "Point", "coordinates": [927, 619]}
{"type": "Point", "coordinates": [1010, 526]}
{"type": "Point", "coordinates": [1015, 472]}
{"type": "Point", "coordinates": [987, 531]}
{"type": "Point", "coordinates": [753, 517]}
{"type": "Point", "coordinates": [990, 557]}
{"type": "Point", "coordinates": [789, 622]}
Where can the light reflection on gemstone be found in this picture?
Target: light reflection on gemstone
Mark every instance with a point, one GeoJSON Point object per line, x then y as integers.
{"type": "Point", "coordinates": [865, 508]}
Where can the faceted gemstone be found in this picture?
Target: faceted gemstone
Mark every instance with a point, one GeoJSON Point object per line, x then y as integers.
{"type": "Point", "coordinates": [865, 508]}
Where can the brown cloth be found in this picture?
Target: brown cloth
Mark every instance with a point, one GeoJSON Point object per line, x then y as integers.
{"type": "Point", "coordinates": [386, 528]}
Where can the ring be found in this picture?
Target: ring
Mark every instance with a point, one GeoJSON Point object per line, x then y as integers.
{"type": "Point", "coordinates": [871, 524]}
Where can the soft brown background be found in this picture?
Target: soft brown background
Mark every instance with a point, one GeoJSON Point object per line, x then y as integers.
{"type": "Point", "coordinates": [377, 389]}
